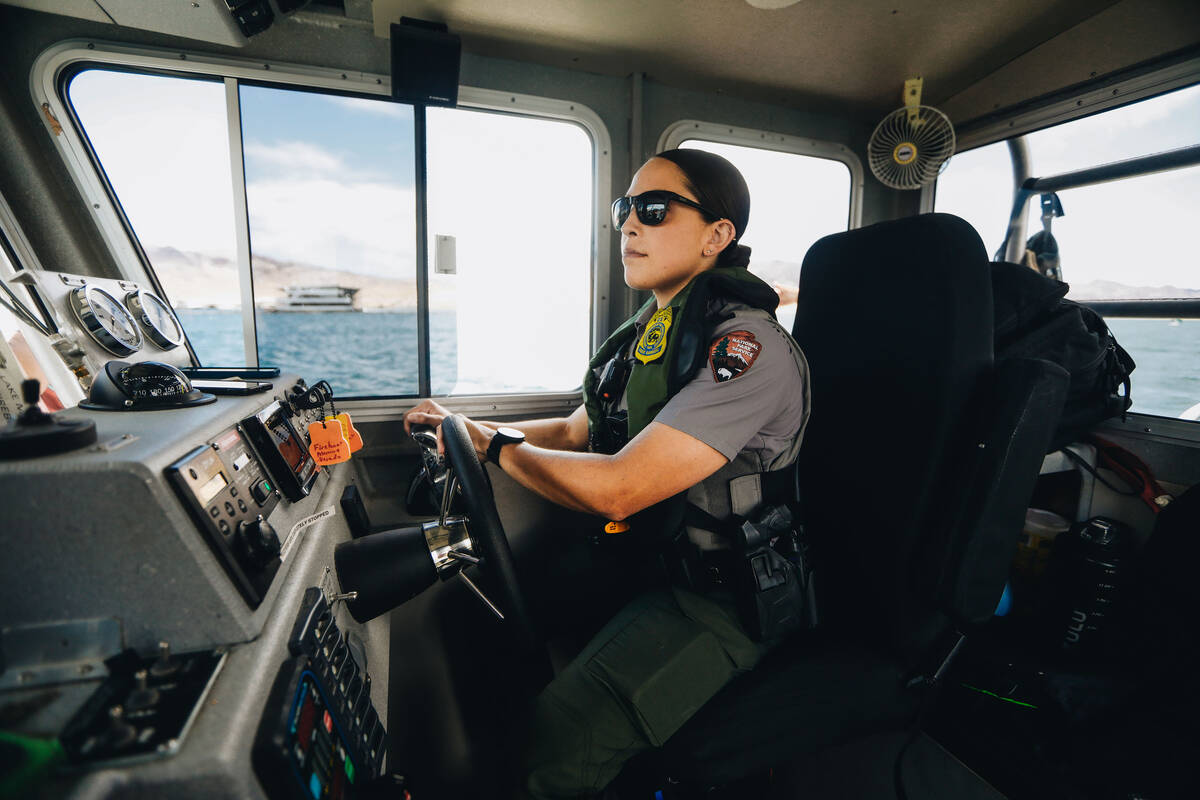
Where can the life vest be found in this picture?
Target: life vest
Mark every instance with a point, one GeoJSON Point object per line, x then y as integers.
{"type": "Point", "coordinates": [659, 361]}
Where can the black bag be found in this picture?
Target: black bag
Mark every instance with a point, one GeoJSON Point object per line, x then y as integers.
{"type": "Point", "coordinates": [1032, 320]}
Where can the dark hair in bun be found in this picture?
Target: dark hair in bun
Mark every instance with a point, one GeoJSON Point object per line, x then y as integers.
{"type": "Point", "coordinates": [718, 186]}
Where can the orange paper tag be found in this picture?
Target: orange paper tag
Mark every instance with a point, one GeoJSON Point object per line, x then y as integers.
{"type": "Point", "coordinates": [616, 527]}
{"type": "Point", "coordinates": [349, 431]}
{"type": "Point", "coordinates": [328, 446]}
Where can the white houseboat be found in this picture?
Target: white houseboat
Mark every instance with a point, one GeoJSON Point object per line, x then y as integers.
{"type": "Point", "coordinates": [317, 298]}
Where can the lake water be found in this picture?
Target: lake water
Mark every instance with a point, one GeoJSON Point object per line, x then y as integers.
{"type": "Point", "coordinates": [376, 354]}
{"type": "Point", "coordinates": [358, 353]}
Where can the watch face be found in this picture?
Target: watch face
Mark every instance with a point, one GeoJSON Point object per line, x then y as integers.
{"type": "Point", "coordinates": [511, 433]}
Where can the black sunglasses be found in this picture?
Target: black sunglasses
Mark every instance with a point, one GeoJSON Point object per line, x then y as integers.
{"type": "Point", "coordinates": [652, 207]}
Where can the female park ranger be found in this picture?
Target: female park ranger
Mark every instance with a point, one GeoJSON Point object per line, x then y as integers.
{"type": "Point", "coordinates": [693, 409]}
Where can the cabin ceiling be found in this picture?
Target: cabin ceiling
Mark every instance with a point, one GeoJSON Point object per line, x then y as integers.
{"type": "Point", "coordinates": [831, 54]}
{"type": "Point", "coordinates": [847, 57]}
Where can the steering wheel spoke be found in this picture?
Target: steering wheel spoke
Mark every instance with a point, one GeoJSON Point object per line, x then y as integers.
{"type": "Point", "coordinates": [486, 533]}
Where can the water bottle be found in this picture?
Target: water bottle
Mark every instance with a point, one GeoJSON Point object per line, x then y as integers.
{"type": "Point", "coordinates": [1088, 571]}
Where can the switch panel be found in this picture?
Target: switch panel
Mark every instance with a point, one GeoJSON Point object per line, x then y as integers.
{"type": "Point", "coordinates": [229, 496]}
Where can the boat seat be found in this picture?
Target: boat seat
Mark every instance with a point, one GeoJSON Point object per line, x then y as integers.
{"type": "Point", "coordinates": [917, 465]}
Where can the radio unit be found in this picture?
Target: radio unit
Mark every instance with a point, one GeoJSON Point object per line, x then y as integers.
{"type": "Point", "coordinates": [283, 450]}
{"type": "Point", "coordinates": [230, 498]}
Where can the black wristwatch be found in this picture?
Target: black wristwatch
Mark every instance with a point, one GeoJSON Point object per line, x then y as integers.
{"type": "Point", "coordinates": [502, 437]}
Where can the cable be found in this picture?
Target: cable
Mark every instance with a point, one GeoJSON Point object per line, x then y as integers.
{"type": "Point", "coordinates": [1081, 461]}
{"type": "Point", "coordinates": [21, 311]}
{"type": "Point", "coordinates": [897, 777]}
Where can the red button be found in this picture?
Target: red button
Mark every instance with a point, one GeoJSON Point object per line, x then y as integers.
{"type": "Point", "coordinates": [328, 723]}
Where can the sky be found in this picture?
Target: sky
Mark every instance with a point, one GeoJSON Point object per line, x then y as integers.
{"type": "Point", "coordinates": [1137, 231]}
{"type": "Point", "coordinates": [330, 182]}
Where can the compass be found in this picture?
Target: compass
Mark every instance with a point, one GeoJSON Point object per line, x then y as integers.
{"type": "Point", "coordinates": [156, 318]}
{"type": "Point", "coordinates": [106, 320]}
{"type": "Point", "coordinates": [143, 386]}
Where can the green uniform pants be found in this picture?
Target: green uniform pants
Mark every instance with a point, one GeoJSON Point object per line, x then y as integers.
{"type": "Point", "coordinates": [646, 673]}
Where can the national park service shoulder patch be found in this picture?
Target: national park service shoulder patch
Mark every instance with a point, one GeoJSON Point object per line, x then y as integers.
{"type": "Point", "coordinates": [732, 354]}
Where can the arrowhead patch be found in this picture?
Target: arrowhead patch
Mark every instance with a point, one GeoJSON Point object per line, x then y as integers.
{"type": "Point", "coordinates": [732, 354]}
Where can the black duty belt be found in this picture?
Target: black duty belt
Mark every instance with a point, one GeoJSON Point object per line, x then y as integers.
{"type": "Point", "coordinates": [699, 570]}
{"type": "Point", "coordinates": [720, 567]}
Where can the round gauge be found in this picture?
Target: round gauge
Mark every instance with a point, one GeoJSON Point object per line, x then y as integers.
{"type": "Point", "coordinates": [156, 318]}
{"type": "Point", "coordinates": [106, 320]}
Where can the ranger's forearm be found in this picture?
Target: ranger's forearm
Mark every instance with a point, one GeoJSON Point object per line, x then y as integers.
{"type": "Point", "coordinates": [559, 433]}
{"type": "Point", "coordinates": [551, 434]}
{"type": "Point", "coordinates": [579, 481]}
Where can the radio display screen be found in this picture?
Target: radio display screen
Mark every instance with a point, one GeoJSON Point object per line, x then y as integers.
{"type": "Point", "coordinates": [282, 449]}
{"type": "Point", "coordinates": [282, 434]}
{"type": "Point", "coordinates": [209, 490]}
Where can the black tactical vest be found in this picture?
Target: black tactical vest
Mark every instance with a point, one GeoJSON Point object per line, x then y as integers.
{"type": "Point", "coordinates": [673, 346]}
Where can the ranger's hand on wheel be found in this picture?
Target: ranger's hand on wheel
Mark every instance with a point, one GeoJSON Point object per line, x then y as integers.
{"type": "Point", "coordinates": [426, 412]}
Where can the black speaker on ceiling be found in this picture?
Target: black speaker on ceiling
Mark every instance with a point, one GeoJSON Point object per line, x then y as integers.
{"type": "Point", "coordinates": [425, 58]}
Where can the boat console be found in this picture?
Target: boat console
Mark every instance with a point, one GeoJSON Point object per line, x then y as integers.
{"type": "Point", "coordinates": [172, 612]}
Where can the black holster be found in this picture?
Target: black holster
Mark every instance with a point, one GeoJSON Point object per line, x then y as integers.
{"type": "Point", "coordinates": [768, 571]}
{"type": "Point", "coordinates": [774, 587]}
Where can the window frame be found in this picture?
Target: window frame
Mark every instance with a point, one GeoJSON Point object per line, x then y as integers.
{"type": "Point", "coordinates": [14, 243]}
{"type": "Point", "coordinates": [1011, 123]}
{"type": "Point", "coordinates": [1068, 107]}
{"type": "Point", "coordinates": [1113, 95]}
{"type": "Point", "coordinates": [55, 65]}
{"type": "Point", "coordinates": [678, 132]}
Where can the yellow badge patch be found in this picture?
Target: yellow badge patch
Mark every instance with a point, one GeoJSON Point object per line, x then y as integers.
{"type": "Point", "coordinates": [654, 340]}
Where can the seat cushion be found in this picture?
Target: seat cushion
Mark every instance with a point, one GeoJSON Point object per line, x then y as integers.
{"type": "Point", "coordinates": [792, 704]}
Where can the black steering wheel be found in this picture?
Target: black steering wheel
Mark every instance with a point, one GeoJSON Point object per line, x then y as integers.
{"type": "Point", "coordinates": [485, 529]}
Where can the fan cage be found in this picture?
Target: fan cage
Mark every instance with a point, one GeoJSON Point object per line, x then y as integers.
{"type": "Point", "coordinates": [930, 133]}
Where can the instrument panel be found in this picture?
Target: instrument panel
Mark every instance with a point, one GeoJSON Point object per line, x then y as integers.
{"type": "Point", "coordinates": [194, 529]}
{"type": "Point", "coordinates": [231, 484]}
{"type": "Point", "coordinates": [106, 318]}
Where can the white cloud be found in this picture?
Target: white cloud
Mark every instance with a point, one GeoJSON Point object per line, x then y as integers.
{"type": "Point", "coordinates": [384, 109]}
{"type": "Point", "coordinates": [296, 157]}
{"type": "Point", "coordinates": [168, 158]}
{"type": "Point", "coordinates": [356, 226]}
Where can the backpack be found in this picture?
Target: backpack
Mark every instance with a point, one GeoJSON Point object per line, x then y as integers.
{"type": "Point", "coordinates": [1032, 320]}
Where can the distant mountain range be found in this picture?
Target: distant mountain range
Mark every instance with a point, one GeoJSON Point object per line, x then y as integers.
{"type": "Point", "coordinates": [199, 280]}
{"type": "Point", "coordinates": [1110, 290]}
{"type": "Point", "coordinates": [787, 272]}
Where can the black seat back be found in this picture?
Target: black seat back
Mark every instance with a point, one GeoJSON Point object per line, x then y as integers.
{"type": "Point", "coordinates": [896, 322]}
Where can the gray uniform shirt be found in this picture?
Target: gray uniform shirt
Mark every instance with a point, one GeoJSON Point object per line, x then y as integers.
{"type": "Point", "coordinates": [762, 408]}
{"type": "Point", "coordinates": [750, 402]}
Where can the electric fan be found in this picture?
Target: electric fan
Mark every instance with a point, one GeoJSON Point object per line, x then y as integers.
{"type": "Point", "coordinates": [912, 145]}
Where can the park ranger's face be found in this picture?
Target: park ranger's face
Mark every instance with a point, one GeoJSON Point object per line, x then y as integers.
{"type": "Point", "coordinates": [663, 258]}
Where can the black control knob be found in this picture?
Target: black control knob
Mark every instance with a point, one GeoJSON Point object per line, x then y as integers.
{"type": "Point", "coordinates": [258, 539]}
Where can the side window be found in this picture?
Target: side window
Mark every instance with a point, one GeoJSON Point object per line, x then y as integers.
{"type": "Point", "coordinates": [518, 212]}
{"type": "Point", "coordinates": [329, 191]}
{"type": "Point", "coordinates": [331, 195]}
{"type": "Point", "coordinates": [163, 144]}
{"type": "Point", "coordinates": [795, 199]}
{"type": "Point", "coordinates": [1127, 239]}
